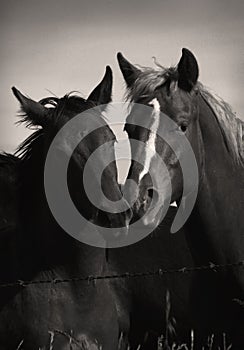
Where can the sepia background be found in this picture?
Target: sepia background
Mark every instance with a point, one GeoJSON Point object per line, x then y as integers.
{"type": "Point", "coordinates": [62, 45]}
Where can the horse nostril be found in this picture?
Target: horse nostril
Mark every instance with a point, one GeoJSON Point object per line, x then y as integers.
{"type": "Point", "coordinates": [150, 193]}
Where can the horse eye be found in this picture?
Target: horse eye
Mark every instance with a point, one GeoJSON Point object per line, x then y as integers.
{"type": "Point", "coordinates": [183, 127]}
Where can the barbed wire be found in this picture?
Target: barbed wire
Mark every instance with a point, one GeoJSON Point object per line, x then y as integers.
{"type": "Point", "coordinates": [93, 278]}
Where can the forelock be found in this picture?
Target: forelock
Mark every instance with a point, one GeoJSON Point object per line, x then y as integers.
{"type": "Point", "coordinates": [148, 81]}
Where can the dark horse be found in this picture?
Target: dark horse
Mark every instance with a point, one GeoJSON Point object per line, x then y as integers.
{"type": "Point", "coordinates": [216, 225]}
{"type": "Point", "coordinates": [37, 248]}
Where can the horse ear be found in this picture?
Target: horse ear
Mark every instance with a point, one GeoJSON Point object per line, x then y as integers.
{"type": "Point", "coordinates": [188, 71]}
{"type": "Point", "coordinates": [130, 72]}
{"type": "Point", "coordinates": [102, 94]}
{"type": "Point", "coordinates": [35, 113]}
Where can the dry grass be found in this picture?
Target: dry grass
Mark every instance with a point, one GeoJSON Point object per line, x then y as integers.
{"type": "Point", "coordinates": [75, 344]}
{"type": "Point", "coordinates": [163, 340]}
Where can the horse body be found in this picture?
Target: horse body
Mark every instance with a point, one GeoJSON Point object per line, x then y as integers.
{"type": "Point", "coordinates": [41, 250]}
{"type": "Point", "coordinates": [215, 227]}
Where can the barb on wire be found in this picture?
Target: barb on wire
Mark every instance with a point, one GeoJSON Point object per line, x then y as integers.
{"type": "Point", "coordinates": [93, 279]}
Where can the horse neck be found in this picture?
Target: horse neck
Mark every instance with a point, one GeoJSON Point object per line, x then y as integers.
{"type": "Point", "coordinates": [216, 223]}
{"type": "Point", "coordinates": [45, 241]}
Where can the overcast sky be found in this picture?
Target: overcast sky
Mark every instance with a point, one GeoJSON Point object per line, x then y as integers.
{"type": "Point", "coordinates": [65, 45]}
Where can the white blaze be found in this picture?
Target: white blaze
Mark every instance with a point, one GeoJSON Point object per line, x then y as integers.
{"type": "Point", "coordinates": [150, 149]}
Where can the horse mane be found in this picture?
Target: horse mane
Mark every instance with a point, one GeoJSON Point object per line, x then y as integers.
{"type": "Point", "coordinates": [28, 147]}
{"type": "Point", "coordinates": [57, 108]}
{"type": "Point", "coordinates": [150, 79]}
{"type": "Point", "coordinates": [231, 126]}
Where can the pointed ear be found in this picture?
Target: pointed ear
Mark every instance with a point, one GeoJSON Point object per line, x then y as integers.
{"type": "Point", "coordinates": [102, 94]}
{"type": "Point", "coordinates": [188, 71]}
{"type": "Point", "coordinates": [130, 72]}
{"type": "Point", "coordinates": [35, 113]}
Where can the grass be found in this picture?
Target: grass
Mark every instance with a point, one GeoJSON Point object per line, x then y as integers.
{"type": "Point", "coordinates": [163, 342]}
{"type": "Point", "coordinates": [83, 344]}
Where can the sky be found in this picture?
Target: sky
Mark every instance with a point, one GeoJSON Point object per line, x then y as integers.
{"type": "Point", "coordinates": [62, 46]}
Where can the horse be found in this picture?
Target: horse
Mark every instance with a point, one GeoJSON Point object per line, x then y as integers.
{"type": "Point", "coordinates": [214, 229]}
{"type": "Point", "coordinates": [41, 313]}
